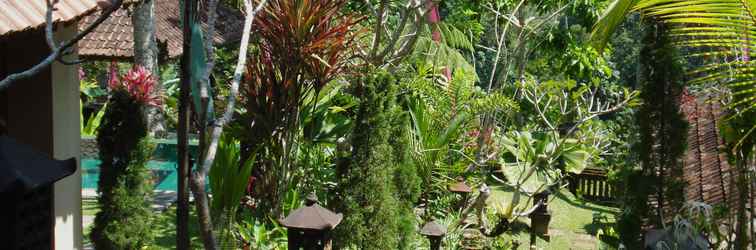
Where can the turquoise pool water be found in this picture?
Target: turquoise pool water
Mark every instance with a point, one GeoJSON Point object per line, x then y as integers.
{"type": "Point", "coordinates": [163, 172]}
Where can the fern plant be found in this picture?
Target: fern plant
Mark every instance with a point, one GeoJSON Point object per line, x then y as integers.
{"type": "Point", "coordinates": [447, 53]}
{"type": "Point", "coordinates": [442, 112]}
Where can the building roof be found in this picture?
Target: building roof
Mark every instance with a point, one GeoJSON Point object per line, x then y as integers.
{"type": "Point", "coordinates": [709, 177]}
{"type": "Point", "coordinates": [114, 37]}
{"type": "Point", "coordinates": [20, 15]}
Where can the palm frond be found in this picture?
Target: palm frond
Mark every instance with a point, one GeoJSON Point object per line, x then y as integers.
{"type": "Point", "coordinates": [609, 21]}
{"type": "Point", "coordinates": [724, 29]}
{"type": "Point", "coordinates": [718, 34]}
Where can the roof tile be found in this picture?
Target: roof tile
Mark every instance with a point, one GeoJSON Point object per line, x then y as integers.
{"type": "Point", "coordinates": [19, 15]}
{"type": "Point", "coordinates": [114, 37]}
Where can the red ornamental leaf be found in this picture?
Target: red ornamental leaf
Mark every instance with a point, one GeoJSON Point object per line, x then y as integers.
{"type": "Point", "coordinates": [141, 85]}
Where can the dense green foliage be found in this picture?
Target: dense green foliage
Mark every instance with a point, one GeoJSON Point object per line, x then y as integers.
{"type": "Point", "coordinates": [303, 45]}
{"type": "Point", "coordinates": [380, 185]}
{"type": "Point", "coordinates": [715, 38]}
{"type": "Point", "coordinates": [228, 180]}
{"type": "Point", "coordinates": [740, 140]}
{"type": "Point", "coordinates": [662, 142]}
{"type": "Point", "coordinates": [377, 106]}
{"type": "Point", "coordinates": [124, 192]}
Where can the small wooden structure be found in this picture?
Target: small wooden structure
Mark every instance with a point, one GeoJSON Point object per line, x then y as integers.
{"type": "Point", "coordinates": [435, 234]}
{"type": "Point", "coordinates": [26, 178]}
{"type": "Point", "coordinates": [309, 227]}
{"type": "Point", "coordinates": [460, 187]}
{"type": "Point", "coordinates": [540, 217]}
{"type": "Point", "coordinates": [592, 185]}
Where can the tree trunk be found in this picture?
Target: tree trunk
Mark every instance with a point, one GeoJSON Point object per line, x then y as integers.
{"type": "Point", "coordinates": [203, 211]}
{"type": "Point", "coordinates": [182, 209]}
{"type": "Point", "coordinates": [741, 229]}
{"type": "Point", "coordinates": [146, 54]}
{"type": "Point", "coordinates": [145, 43]}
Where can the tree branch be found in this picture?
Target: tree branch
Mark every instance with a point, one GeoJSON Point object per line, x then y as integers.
{"type": "Point", "coordinates": [381, 13]}
{"type": "Point", "coordinates": [212, 16]}
{"type": "Point", "coordinates": [409, 42]}
{"type": "Point", "coordinates": [199, 176]}
{"type": "Point", "coordinates": [240, 67]}
{"type": "Point", "coordinates": [405, 14]}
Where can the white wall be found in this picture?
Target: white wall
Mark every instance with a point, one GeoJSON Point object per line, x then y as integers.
{"type": "Point", "coordinates": [66, 137]}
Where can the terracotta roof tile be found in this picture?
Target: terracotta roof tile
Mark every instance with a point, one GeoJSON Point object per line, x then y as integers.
{"type": "Point", "coordinates": [706, 170]}
{"type": "Point", "coordinates": [19, 15]}
{"type": "Point", "coordinates": [114, 37]}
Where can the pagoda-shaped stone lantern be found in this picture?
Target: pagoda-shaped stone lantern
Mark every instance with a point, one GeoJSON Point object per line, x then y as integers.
{"type": "Point", "coordinates": [309, 227]}
{"type": "Point", "coordinates": [27, 178]}
{"type": "Point", "coordinates": [460, 187]}
{"type": "Point", "coordinates": [540, 218]}
{"type": "Point", "coordinates": [435, 234]}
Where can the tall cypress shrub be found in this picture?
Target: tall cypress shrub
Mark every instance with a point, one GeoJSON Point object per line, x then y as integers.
{"type": "Point", "coordinates": [380, 185]}
{"type": "Point", "coordinates": [663, 133]}
{"type": "Point", "coordinates": [406, 179]}
{"type": "Point", "coordinates": [124, 217]}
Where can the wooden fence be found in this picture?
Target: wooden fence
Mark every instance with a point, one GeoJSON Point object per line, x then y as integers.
{"type": "Point", "coordinates": [592, 185]}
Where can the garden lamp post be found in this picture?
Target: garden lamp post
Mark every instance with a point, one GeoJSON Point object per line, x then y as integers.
{"type": "Point", "coordinates": [435, 233]}
{"type": "Point", "coordinates": [309, 227]}
{"type": "Point", "coordinates": [460, 187]}
{"type": "Point", "coordinates": [541, 217]}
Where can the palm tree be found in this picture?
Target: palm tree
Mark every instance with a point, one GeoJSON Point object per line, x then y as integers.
{"type": "Point", "coordinates": [715, 36]}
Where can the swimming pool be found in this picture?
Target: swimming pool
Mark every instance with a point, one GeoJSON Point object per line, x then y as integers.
{"type": "Point", "coordinates": [163, 166]}
{"type": "Point", "coordinates": [163, 172]}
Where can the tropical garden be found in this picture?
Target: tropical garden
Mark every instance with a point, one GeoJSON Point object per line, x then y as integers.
{"type": "Point", "coordinates": [427, 124]}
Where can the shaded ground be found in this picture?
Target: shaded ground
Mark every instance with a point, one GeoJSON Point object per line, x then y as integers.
{"type": "Point", "coordinates": [163, 226]}
{"type": "Point", "coordinates": [572, 223]}
{"type": "Point", "coordinates": [164, 230]}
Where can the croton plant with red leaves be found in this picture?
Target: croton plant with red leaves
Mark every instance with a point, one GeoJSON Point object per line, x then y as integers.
{"type": "Point", "coordinates": [138, 82]}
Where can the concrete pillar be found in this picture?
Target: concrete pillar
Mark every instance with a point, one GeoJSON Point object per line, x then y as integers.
{"type": "Point", "coordinates": [66, 144]}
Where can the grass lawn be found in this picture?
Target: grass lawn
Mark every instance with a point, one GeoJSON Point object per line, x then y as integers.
{"type": "Point", "coordinates": [163, 227]}
{"type": "Point", "coordinates": [89, 207]}
{"type": "Point", "coordinates": [164, 230]}
{"type": "Point", "coordinates": [572, 221]}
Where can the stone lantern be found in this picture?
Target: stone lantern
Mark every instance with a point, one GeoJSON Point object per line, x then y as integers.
{"type": "Point", "coordinates": [435, 234]}
{"type": "Point", "coordinates": [309, 227]}
{"type": "Point", "coordinates": [27, 178]}
{"type": "Point", "coordinates": [540, 218]}
{"type": "Point", "coordinates": [460, 187]}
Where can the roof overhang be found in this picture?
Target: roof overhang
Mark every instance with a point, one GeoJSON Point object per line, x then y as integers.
{"type": "Point", "coordinates": [21, 15]}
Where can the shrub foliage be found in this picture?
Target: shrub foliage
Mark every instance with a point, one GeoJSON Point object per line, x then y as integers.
{"type": "Point", "coordinates": [380, 186]}
{"type": "Point", "coordinates": [124, 218]}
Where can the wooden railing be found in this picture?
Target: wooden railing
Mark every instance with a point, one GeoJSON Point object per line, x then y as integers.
{"type": "Point", "coordinates": [592, 185]}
